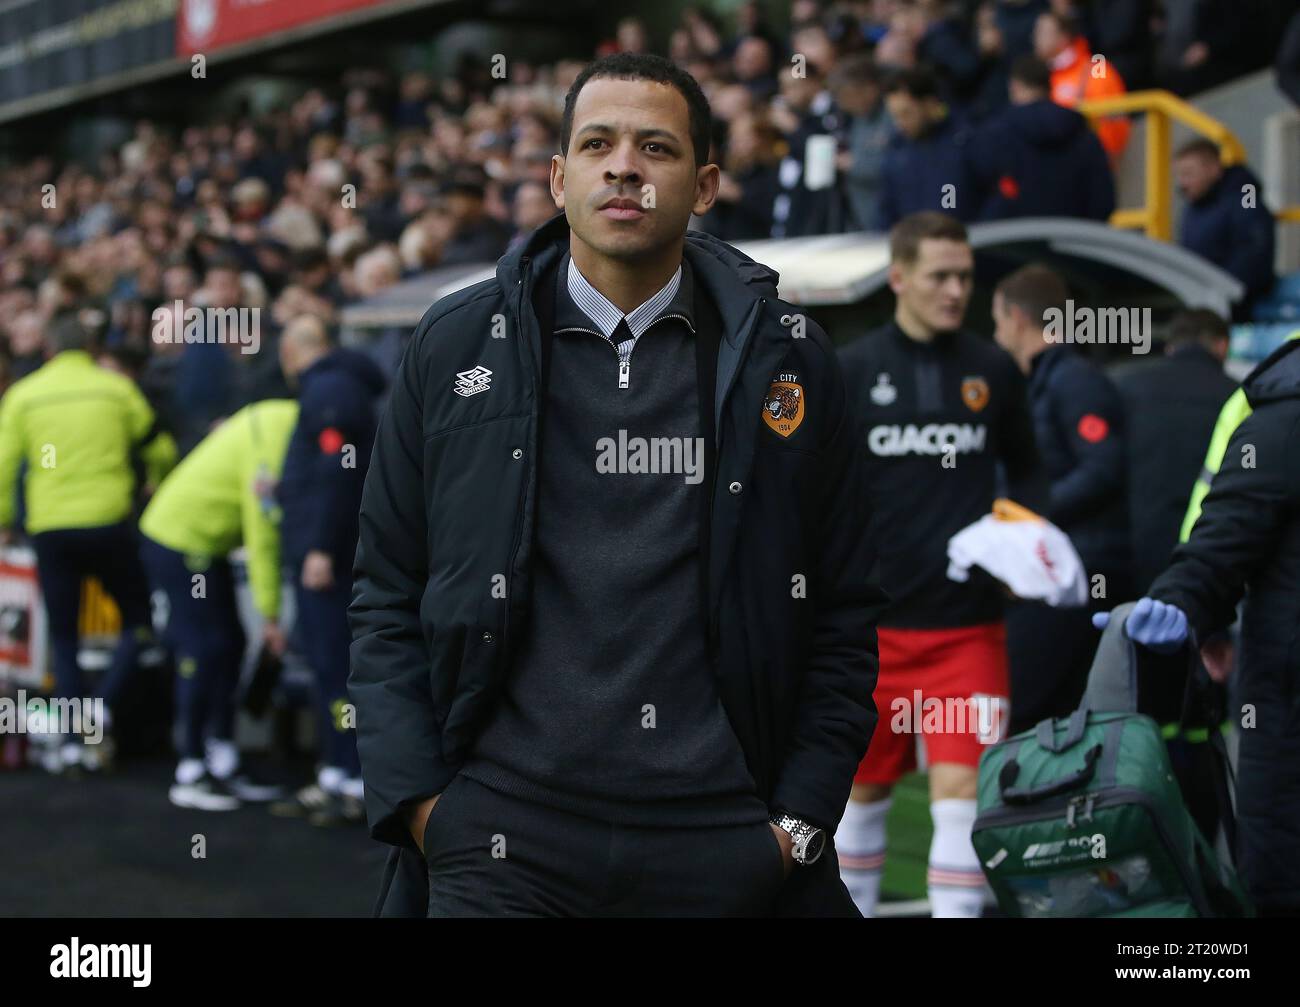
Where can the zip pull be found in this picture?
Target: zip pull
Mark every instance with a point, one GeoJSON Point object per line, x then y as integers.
{"type": "Point", "coordinates": [624, 372]}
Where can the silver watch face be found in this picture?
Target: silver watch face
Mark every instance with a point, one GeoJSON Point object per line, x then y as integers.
{"type": "Point", "coordinates": [813, 846]}
{"type": "Point", "coordinates": [808, 840]}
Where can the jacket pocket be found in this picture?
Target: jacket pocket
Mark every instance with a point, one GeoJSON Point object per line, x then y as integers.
{"type": "Point", "coordinates": [437, 814]}
{"type": "Point", "coordinates": [477, 685]}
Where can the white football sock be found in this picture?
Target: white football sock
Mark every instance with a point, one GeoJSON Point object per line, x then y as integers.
{"type": "Point", "coordinates": [860, 845]}
{"type": "Point", "coordinates": [954, 880]}
{"type": "Point", "coordinates": [188, 771]}
{"type": "Point", "coordinates": [330, 779]}
{"type": "Point", "coordinates": [222, 757]}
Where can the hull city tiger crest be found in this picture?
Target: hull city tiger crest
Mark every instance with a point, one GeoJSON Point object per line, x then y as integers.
{"type": "Point", "coordinates": [783, 408]}
{"type": "Point", "coordinates": [975, 393]}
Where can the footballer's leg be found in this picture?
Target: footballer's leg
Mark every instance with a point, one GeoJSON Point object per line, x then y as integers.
{"type": "Point", "coordinates": [969, 667]}
{"type": "Point", "coordinates": [954, 880]}
{"type": "Point", "coordinates": [860, 839]}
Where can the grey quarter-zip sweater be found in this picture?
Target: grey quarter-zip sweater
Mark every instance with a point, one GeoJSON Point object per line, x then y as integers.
{"type": "Point", "coordinates": [610, 708]}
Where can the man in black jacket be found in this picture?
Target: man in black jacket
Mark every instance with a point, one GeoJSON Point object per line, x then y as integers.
{"type": "Point", "coordinates": [320, 493]}
{"type": "Point", "coordinates": [614, 641]}
{"type": "Point", "coordinates": [1038, 158]}
{"type": "Point", "coordinates": [1246, 544]}
{"type": "Point", "coordinates": [1226, 220]}
{"type": "Point", "coordinates": [1171, 404]}
{"type": "Point", "coordinates": [1079, 429]}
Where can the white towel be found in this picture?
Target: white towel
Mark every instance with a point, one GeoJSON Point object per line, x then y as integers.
{"type": "Point", "coordinates": [1030, 555]}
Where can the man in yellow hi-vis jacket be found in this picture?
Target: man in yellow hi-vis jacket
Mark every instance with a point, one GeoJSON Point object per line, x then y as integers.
{"type": "Point", "coordinates": [221, 496]}
{"type": "Point", "coordinates": [80, 429]}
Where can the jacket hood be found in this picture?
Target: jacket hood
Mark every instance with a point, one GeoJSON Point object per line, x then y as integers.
{"type": "Point", "coordinates": [355, 363]}
{"type": "Point", "coordinates": [1277, 376]}
{"type": "Point", "coordinates": [1045, 123]}
{"type": "Point", "coordinates": [731, 277]}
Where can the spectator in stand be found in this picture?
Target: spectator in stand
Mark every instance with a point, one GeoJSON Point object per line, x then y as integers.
{"type": "Point", "coordinates": [533, 207]}
{"type": "Point", "coordinates": [478, 237]}
{"type": "Point", "coordinates": [990, 94]}
{"type": "Point", "coordinates": [811, 40]}
{"type": "Point", "coordinates": [1208, 42]}
{"type": "Point", "coordinates": [26, 343]}
{"type": "Point", "coordinates": [1122, 30]}
{"type": "Point", "coordinates": [753, 67]}
{"type": "Point", "coordinates": [752, 21]}
{"type": "Point", "coordinates": [857, 90]}
{"type": "Point", "coordinates": [925, 167]}
{"type": "Point", "coordinates": [895, 52]}
{"type": "Point", "coordinates": [1172, 404]}
{"type": "Point", "coordinates": [941, 43]}
{"type": "Point", "coordinates": [1038, 159]}
{"type": "Point", "coordinates": [748, 185]}
{"type": "Point", "coordinates": [1225, 220]}
{"type": "Point", "coordinates": [805, 110]}
{"type": "Point", "coordinates": [381, 208]}
{"type": "Point", "coordinates": [631, 36]}
{"type": "Point", "coordinates": [1077, 77]}
{"type": "Point", "coordinates": [1015, 21]}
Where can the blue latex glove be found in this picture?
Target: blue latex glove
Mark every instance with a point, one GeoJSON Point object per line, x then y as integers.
{"type": "Point", "coordinates": [1154, 624]}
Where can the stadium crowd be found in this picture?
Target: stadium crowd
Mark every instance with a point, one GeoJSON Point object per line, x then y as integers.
{"type": "Point", "coordinates": [304, 210]}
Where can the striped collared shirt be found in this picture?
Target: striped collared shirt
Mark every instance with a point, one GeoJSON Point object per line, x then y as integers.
{"type": "Point", "coordinates": [603, 312]}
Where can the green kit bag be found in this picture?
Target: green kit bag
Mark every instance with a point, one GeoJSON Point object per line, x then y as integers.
{"type": "Point", "coordinates": [1082, 816]}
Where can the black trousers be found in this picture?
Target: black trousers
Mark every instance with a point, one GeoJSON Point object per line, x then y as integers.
{"type": "Point", "coordinates": [64, 558]}
{"type": "Point", "coordinates": [207, 639]}
{"type": "Point", "coordinates": [490, 854]}
{"type": "Point", "coordinates": [325, 636]}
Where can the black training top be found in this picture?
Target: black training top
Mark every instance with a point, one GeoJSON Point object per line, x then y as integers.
{"type": "Point", "coordinates": [935, 420]}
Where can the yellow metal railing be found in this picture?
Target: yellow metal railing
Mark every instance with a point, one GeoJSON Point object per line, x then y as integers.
{"type": "Point", "coordinates": [99, 618]}
{"type": "Point", "coordinates": [1163, 109]}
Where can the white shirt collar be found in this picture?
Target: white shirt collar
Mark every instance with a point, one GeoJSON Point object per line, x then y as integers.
{"type": "Point", "coordinates": [601, 310]}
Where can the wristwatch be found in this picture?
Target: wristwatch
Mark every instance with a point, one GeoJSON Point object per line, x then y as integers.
{"type": "Point", "coordinates": [809, 841]}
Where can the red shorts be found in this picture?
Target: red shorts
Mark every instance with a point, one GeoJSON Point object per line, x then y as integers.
{"type": "Point", "coordinates": [949, 686]}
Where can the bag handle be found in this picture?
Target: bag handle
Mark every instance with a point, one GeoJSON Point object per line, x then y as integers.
{"type": "Point", "coordinates": [1017, 795]}
{"type": "Point", "coordinates": [1046, 732]}
{"type": "Point", "coordinates": [1112, 679]}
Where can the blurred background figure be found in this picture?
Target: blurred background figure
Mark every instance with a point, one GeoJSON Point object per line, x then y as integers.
{"type": "Point", "coordinates": [220, 497]}
{"type": "Point", "coordinates": [1226, 220]}
{"type": "Point", "coordinates": [1039, 159]}
{"type": "Point", "coordinates": [1078, 76]}
{"type": "Point", "coordinates": [855, 84]}
{"type": "Point", "coordinates": [80, 431]}
{"type": "Point", "coordinates": [1172, 402]}
{"type": "Point", "coordinates": [927, 165]}
{"type": "Point", "coordinates": [320, 495]}
{"type": "Point", "coordinates": [1079, 428]}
